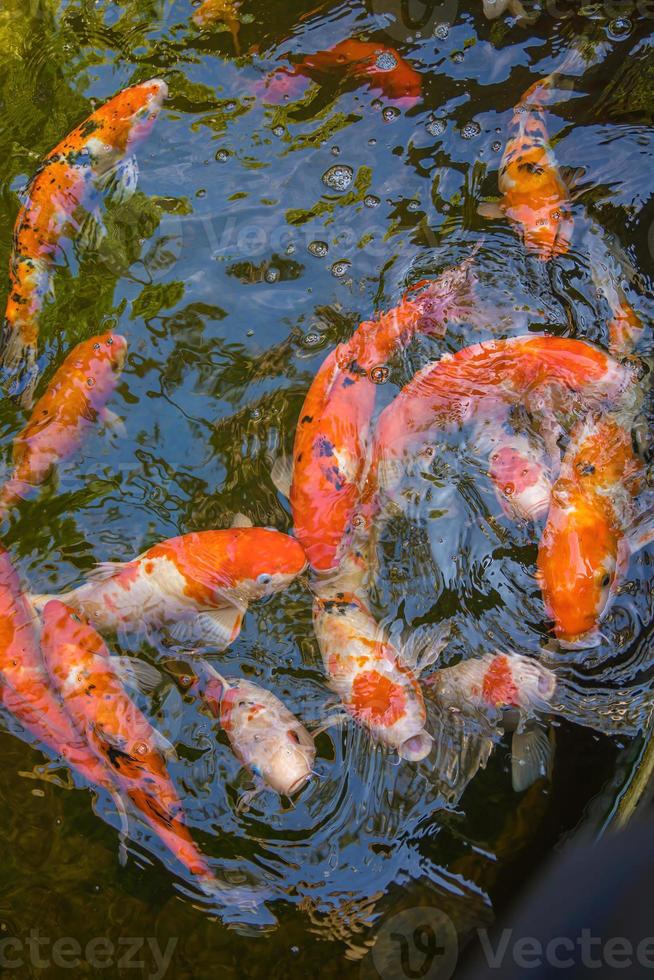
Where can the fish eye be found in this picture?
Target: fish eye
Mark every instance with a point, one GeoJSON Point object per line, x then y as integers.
{"type": "Point", "coordinates": [90, 382]}
{"type": "Point", "coordinates": [96, 347]}
{"type": "Point", "coordinates": [110, 341]}
{"type": "Point", "coordinates": [264, 578]}
{"type": "Point", "coordinates": [606, 580]}
{"type": "Point", "coordinates": [509, 490]}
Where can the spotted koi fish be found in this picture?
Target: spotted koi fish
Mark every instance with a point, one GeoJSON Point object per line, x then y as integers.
{"type": "Point", "coordinates": [198, 585]}
{"type": "Point", "coordinates": [62, 197]}
{"type": "Point", "coordinates": [332, 432]}
{"type": "Point", "coordinates": [74, 401]}
{"type": "Point", "coordinates": [535, 197]}
{"type": "Point", "coordinates": [363, 62]}
{"type": "Point", "coordinates": [377, 689]}
{"type": "Point", "coordinates": [592, 529]}
{"type": "Point", "coordinates": [116, 731]}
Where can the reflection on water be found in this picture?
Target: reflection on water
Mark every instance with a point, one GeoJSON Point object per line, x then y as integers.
{"type": "Point", "coordinates": [235, 268]}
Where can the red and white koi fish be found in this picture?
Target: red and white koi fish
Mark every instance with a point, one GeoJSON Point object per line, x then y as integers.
{"type": "Point", "coordinates": [265, 736]}
{"type": "Point", "coordinates": [117, 732]}
{"type": "Point", "coordinates": [199, 585]}
{"type": "Point", "coordinates": [25, 688]}
{"type": "Point", "coordinates": [75, 399]}
{"type": "Point", "coordinates": [377, 689]}
{"type": "Point", "coordinates": [363, 62]}
{"type": "Point", "coordinates": [535, 196]}
{"type": "Point", "coordinates": [62, 197]}
{"type": "Point", "coordinates": [506, 690]}
{"type": "Point", "coordinates": [330, 448]}
{"type": "Point", "coordinates": [485, 381]}
{"type": "Point", "coordinates": [518, 468]}
{"type": "Point", "coordinates": [592, 528]}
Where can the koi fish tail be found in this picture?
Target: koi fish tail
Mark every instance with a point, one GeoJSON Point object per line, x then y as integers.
{"type": "Point", "coordinates": [172, 831]}
{"type": "Point", "coordinates": [447, 299]}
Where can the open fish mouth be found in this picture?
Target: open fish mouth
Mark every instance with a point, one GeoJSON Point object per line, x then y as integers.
{"type": "Point", "coordinates": [416, 747]}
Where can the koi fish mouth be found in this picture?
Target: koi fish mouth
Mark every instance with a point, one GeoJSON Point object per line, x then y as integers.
{"type": "Point", "coordinates": [416, 747]}
{"type": "Point", "coordinates": [585, 641]}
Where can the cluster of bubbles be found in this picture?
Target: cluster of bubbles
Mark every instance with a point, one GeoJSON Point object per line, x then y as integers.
{"type": "Point", "coordinates": [339, 177]}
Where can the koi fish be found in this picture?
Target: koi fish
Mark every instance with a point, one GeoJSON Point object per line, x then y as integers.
{"type": "Point", "coordinates": [485, 381]}
{"type": "Point", "coordinates": [609, 265]}
{"type": "Point", "coordinates": [377, 689]}
{"type": "Point", "coordinates": [25, 688]}
{"type": "Point", "coordinates": [331, 435]}
{"type": "Point", "coordinates": [220, 11]}
{"type": "Point", "coordinates": [506, 690]}
{"type": "Point", "coordinates": [364, 62]}
{"type": "Point", "coordinates": [591, 530]}
{"type": "Point", "coordinates": [495, 8]}
{"type": "Point", "coordinates": [63, 202]}
{"type": "Point", "coordinates": [199, 585]}
{"type": "Point", "coordinates": [75, 399]}
{"type": "Point", "coordinates": [116, 731]}
{"type": "Point", "coordinates": [518, 468]}
{"type": "Point", "coordinates": [264, 735]}
{"type": "Point", "coordinates": [535, 196]}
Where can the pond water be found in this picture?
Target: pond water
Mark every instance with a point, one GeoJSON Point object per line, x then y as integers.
{"type": "Point", "coordinates": [263, 231]}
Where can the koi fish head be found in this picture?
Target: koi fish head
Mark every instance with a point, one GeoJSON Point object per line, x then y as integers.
{"type": "Point", "coordinates": [125, 120]}
{"type": "Point", "coordinates": [98, 362]}
{"type": "Point", "coordinates": [391, 705]}
{"type": "Point", "coordinates": [521, 480]}
{"type": "Point", "coordinates": [547, 230]}
{"type": "Point", "coordinates": [578, 562]}
{"type": "Point", "coordinates": [267, 737]}
{"type": "Point", "coordinates": [271, 562]}
{"type": "Point", "coordinates": [64, 628]}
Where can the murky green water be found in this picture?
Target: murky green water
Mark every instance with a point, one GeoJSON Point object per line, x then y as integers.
{"type": "Point", "coordinates": [229, 313]}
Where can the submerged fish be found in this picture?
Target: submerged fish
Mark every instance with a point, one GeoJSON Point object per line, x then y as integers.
{"type": "Point", "coordinates": [25, 688]}
{"type": "Point", "coordinates": [377, 689]}
{"type": "Point", "coordinates": [74, 401]}
{"type": "Point", "coordinates": [535, 197]}
{"type": "Point", "coordinates": [592, 528]}
{"type": "Point", "coordinates": [330, 447]}
{"type": "Point", "coordinates": [506, 690]}
{"type": "Point", "coordinates": [199, 585]}
{"type": "Point", "coordinates": [364, 62]}
{"type": "Point", "coordinates": [220, 12]}
{"type": "Point", "coordinates": [117, 732]}
{"type": "Point", "coordinates": [63, 201]}
{"type": "Point", "coordinates": [265, 736]}
{"type": "Point", "coordinates": [495, 8]}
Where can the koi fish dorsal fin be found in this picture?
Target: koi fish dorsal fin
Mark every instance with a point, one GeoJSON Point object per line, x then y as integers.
{"type": "Point", "coordinates": [532, 756]}
{"type": "Point", "coordinates": [240, 520]}
{"type": "Point", "coordinates": [282, 475]}
{"type": "Point", "coordinates": [105, 570]}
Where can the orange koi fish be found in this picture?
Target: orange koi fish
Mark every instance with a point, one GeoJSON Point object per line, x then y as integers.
{"type": "Point", "coordinates": [363, 62]}
{"type": "Point", "coordinates": [377, 689]}
{"type": "Point", "coordinates": [63, 196]}
{"type": "Point", "coordinates": [589, 535]}
{"type": "Point", "coordinates": [535, 197]}
{"type": "Point", "coordinates": [199, 585]}
{"type": "Point", "coordinates": [118, 733]}
{"type": "Point", "coordinates": [75, 399]}
{"type": "Point", "coordinates": [331, 436]}
{"type": "Point", "coordinates": [220, 11]}
{"type": "Point", "coordinates": [265, 736]}
{"type": "Point", "coordinates": [485, 381]}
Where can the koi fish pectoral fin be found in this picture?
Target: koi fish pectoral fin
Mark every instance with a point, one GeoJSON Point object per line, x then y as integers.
{"type": "Point", "coordinates": [532, 757]}
{"type": "Point", "coordinates": [281, 475]}
{"type": "Point", "coordinates": [120, 183]}
{"type": "Point", "coordinates": [491, 210]}
{"type": "Point", "coordinates": [136, 674]}
{"type": "Point", "coordinates": [216, 628]}
{"type": "Point", "coordinates": [424, 646]}
{"type": "Point", "coordinates": [113, 422]}
{"type": "Point", "coordinates": [641, 532]}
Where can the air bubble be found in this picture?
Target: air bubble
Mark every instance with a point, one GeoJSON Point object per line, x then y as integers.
{"type": "Point", "coordinates": [272, 274]}
{"type": "Point", "coordinates": [435, 127]}
{"type": "Point", "coordinates": [457, 57]}
{"type": "Point", "coordinates": [619, 29]}
{"type": "Point", "coordinates": [278, 130]}
{"type": "Point", "coordinates": [290, 248]}
{"type": "Point", "coordinates": [338, 178]}
{"type": "Point", "coordinates": [339, 269]}
{"type": "Point", "coordinates": [336, 151]}
{"type": "Point", "coordinates": [470, 130]}
{"type": "Point", "coordinates": [385, 61]}
{"type": "Point", "coordinates": [380, 375]}
{"type": "Point", "coordinates": [319, 249]}
{"type": "Point", "coordinates": [371, 201]}
{"type": "Point", "coordinates": [496, 146]}
{"type": "Point", "coordinates": [256, 414]}
{"type": "Point", "coordinates": [222, 156]}
{"type": "Point", "coordinates": [311, 339]}
{"type": "Point", "coordinates": [442, 31]}
{"type": "Point", "coordinates": [230, 106]}
{"type": "Point", "coordinates": [372, 141]}
{"type": "Point", "coordinates": [413, 205]}
{"type": "Point", "coordinates": [390, 113]}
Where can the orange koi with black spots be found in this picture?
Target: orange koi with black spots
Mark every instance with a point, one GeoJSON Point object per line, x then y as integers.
{"type": "Point", "coordinates": [64, 192]}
